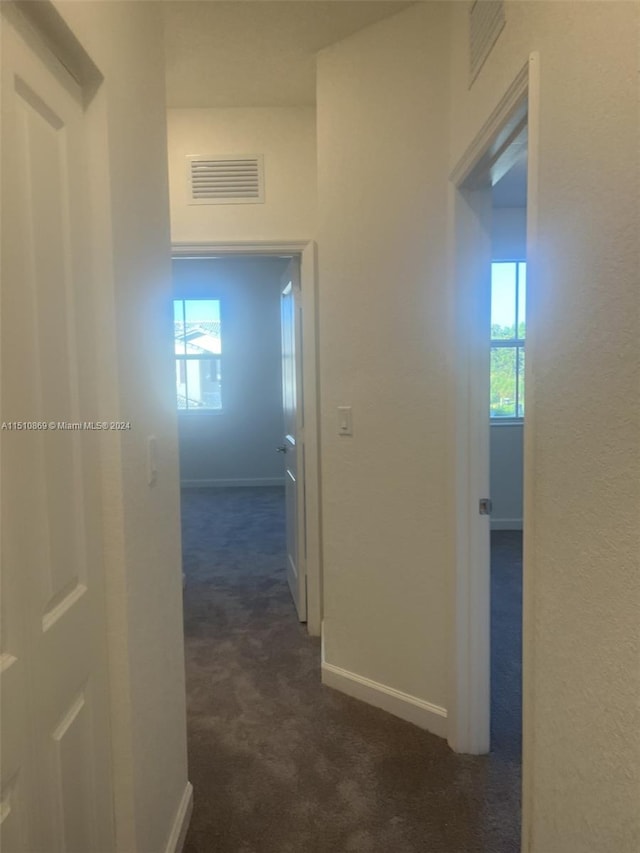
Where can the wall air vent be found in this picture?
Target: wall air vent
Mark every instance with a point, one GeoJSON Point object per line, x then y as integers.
{"type": "Point", "coordinates": [486, 20]}
{"type": "Point", "coordinates": [226, 180]}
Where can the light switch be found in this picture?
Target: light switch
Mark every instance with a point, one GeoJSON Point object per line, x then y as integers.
{"type": "Point", "coordinates": [345, 422]}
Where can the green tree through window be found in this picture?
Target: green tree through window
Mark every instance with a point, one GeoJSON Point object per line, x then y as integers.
{"type": "Point", "coordinates": [508, 331]}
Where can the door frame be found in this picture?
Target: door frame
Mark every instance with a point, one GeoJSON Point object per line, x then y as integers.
{"type": "Point", "coordinates": [487, 157]}
{"type": "Point", "coordinates": [306, 251]}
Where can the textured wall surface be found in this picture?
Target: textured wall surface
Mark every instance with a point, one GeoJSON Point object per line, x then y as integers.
{"type": "Point", "coordinates": [582, 578]}
{"type": "Point", "coordinates": [287, 138]}
{"type": "Point", "coordinates": [238, 444]}
{"type": "Point", "coordinates": [141, 523]}
{"type": "Point", "coordinates": [387, 522]}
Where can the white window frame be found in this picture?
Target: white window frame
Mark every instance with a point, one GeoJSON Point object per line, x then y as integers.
{"type": "Point", "coordinates": [190, 412]}
{"type": "Point", "coordinates": [510, 343]}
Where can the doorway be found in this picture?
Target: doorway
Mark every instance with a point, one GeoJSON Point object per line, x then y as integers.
{"type": "Point", "coordinates": [251, 421]}
{"type": "Point", "coordinates": [506, 432]}
{"type": "Point", "coordinates": [511, 129]}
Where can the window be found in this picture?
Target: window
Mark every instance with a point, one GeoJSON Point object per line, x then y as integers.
{"type": "Point", "coordinates": [508, 328]}
{"type": "Point", "coordinates": [198, 349]}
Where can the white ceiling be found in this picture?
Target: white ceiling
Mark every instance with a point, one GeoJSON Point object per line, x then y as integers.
{"type": "Point", "coordinates": [256, 52]}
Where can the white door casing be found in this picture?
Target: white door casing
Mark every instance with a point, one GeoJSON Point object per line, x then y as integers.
{"type": "Point", "coordinates": [56, 792]}
{"type": "Point", "coordinates": [469, 705]}
{"type": "Point", "coordinates": [305, 251]}
{"type": "Point", "coordinates": [293, 440]}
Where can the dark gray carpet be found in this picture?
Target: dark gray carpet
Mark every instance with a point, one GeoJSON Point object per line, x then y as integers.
{"type": "Point", "coordinates": [281, 764]}
{"type": "Point", "coordinates": [506, 644]}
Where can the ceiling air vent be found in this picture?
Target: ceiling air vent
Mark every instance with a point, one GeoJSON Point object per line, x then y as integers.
{"type": "Point", "coordinates": [226, 180]}
{"type": "Point", "coordinates": [486, 20]}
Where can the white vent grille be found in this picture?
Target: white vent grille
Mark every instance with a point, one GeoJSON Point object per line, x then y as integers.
{"type": "Point", "coordinates": [486, 20]}
{"type": "Point", "coordinates": [226, 180]}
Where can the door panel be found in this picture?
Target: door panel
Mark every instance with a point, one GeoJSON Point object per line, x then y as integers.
{"type": "Point", "coordinates": [56, 785]}
{"type": "Point", "coordinates": [13, 823]}
{"type": "Point", "coordinates": [293, 444]}
{"type": "Point", "coordinates": [70, 740]}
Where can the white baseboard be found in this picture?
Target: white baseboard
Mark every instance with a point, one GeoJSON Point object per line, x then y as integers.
{"type": "Point", "coordinates": [506, 524]}
{"type": "Point", "coordinates": [213, 484]}
{"type": "Point", "coordinates": [433, 718]}
{"type": "Point", "coordinates": [181, 822]}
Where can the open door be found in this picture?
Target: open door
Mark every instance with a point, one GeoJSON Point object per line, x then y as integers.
{"type": "Point", "coordinates": [292, 447]}
{"type": "Point", "coordinates": [512, 126]}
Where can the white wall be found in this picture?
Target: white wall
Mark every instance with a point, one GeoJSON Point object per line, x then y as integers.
{"type": "Point", "coordinates": [384, 350]}
{"type": "Point", "coordinates": [506, 476]}
{"type": "Point", "coordinates": [582, 578]}
{"type": "Point", "coordinates": [508, 233]}
{"type": "Point", "coordinates": [286, 137]}
{"type": "Point", "coordinates": [140, 523]}
{"type": "Point", "coordinates": [237, 446]}
{"type": "Point", "coordinates": [508, 242]}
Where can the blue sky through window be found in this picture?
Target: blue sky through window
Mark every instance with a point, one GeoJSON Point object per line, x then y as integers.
{"type": "Point", "coordinates": [202, 310]}
{"type": "Point", "coordinates": [508, 313]}
{"type": "Point", "coordinates": [504, 284]}
{"type": "Point", "coordinates": [197, 326]}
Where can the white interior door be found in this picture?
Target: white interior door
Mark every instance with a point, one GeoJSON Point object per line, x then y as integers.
{"type": "Point", "coordinates": [56, 784]}
{"type": "Point", "coordinates": [490, 155]}
{"type": "Point", "coordinates": [292, 447]}
{"type": "Point", "coordinates": [470, 714]}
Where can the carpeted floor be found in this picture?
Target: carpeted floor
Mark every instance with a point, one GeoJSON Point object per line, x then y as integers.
{"type": "Point", "coordinates": [281, 764]}
{"type": "Point", "coordinates": [506, 644]}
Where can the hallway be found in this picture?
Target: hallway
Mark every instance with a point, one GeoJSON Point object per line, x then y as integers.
{"type": "Point", "coordinates": [281, 764]}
